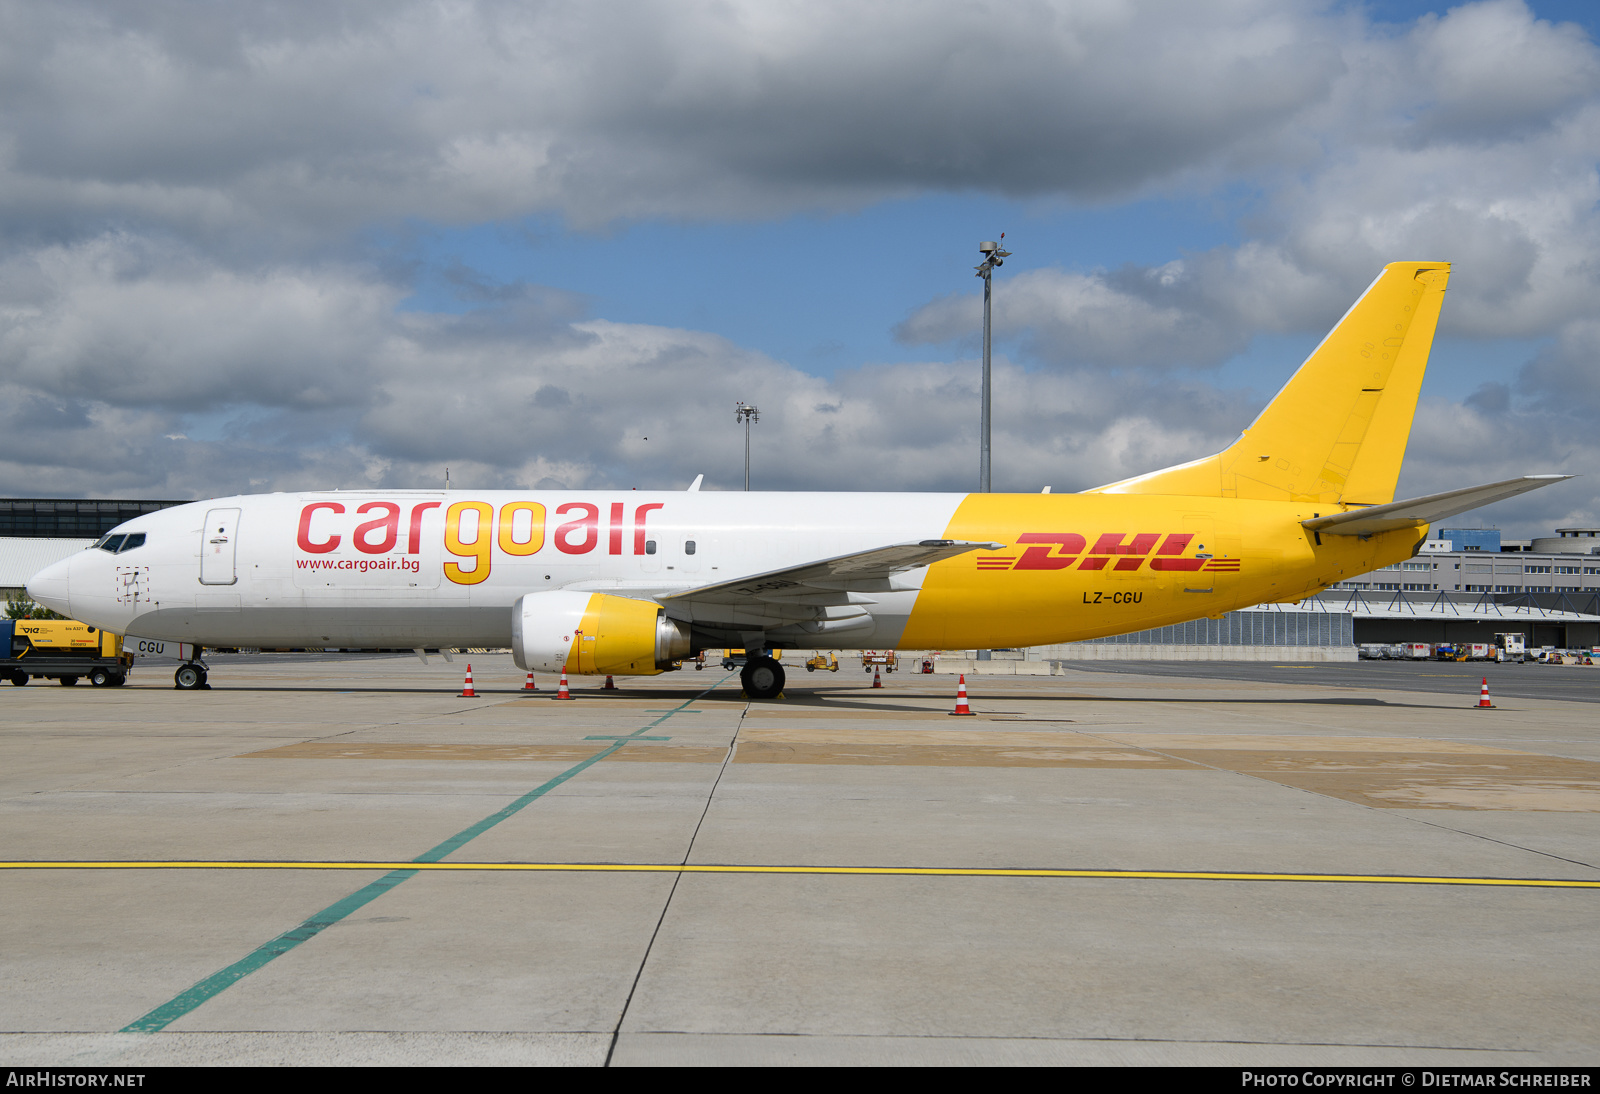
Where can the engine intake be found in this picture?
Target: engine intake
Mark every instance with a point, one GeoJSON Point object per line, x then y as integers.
{"type": "Point", "coordinates": [592, 634]}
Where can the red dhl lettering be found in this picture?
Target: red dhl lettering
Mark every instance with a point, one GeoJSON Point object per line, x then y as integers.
{"type": "Point", "coordinates": [1059, 550]}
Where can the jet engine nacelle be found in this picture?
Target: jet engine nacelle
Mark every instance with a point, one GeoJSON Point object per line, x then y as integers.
{"type": "Point", "coordinates": [594, 634]}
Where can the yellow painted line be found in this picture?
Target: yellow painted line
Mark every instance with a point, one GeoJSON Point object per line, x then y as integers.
{"type": "Point", "coordinates": [897, 871]}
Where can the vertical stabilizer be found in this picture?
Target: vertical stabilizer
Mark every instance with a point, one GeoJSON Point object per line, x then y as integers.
{"type": "Point", "coordinates": [1337, 431]}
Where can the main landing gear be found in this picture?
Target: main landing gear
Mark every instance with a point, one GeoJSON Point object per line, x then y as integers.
{"type": "Point", "coordinates": [762, 677]}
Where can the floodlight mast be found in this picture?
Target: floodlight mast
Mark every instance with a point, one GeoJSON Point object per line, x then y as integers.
{"type": "Point", "coordinates": [992, 256]}
{"type": "Point", "coordinates": [746, 414]}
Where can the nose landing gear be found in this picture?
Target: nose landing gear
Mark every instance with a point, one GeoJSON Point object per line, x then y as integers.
{"type": "Point", "coordinates": [191, 675]}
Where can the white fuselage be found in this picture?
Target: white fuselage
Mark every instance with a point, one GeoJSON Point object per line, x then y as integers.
{"type": "Point", "coordinates": [386, 569]}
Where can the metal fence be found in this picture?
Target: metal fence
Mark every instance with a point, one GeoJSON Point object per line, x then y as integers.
{"type": "Point", "coordinates": [1250, 628]}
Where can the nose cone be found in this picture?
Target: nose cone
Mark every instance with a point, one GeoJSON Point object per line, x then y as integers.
{"type": "Point", "coordinates": [49, 587]}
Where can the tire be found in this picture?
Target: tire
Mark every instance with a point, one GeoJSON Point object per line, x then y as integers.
{"type": "Point", "coordinates": [68, 681]}
{"type": "Point", "coordinates": [762, 678]}
{"type": "Point", "coordinates": [188, 678]}
{"type": "Point", "coordinates": [19, 678]}
{"type": "Point", "coordinates": [118, 679]}
{"type": "Point", "coordinates": [811, 668]}
{"type": "Point", "coordinates": [99, 678]}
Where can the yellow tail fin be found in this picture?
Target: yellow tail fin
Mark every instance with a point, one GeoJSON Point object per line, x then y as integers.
{"type": "Point", "coordinates": [1337, 431]}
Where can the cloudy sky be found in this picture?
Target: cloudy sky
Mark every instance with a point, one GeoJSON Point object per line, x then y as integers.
{"type": "Point", "coordinates": [287, 245]}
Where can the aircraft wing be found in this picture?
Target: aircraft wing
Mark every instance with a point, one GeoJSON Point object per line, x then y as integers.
{"type": "Point", "coordinates": [1407, 514]}
{"type": "Point", "coordinates": [828, 581]}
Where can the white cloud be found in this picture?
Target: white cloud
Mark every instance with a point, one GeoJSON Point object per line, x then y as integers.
{"type": "Point", "coordinates": [309, 377]}
{"type": "Point", "coordinates": [188, 301]}
{"type": "Point", "coordinates": [311, 117]}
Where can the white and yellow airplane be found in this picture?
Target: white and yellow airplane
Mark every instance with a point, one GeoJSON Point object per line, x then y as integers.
{"type": "Point", "coordinates": [632, 583]}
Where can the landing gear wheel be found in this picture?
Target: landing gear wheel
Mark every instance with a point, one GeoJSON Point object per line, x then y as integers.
{"type": "Point", "coordinates": [68, 681]}
{"type": "Point", "coordinates": [762, 678]}
{"type": "Point", "coordinates": [189, 678]}
{"type": "Point", "coordinates": [99, 678]}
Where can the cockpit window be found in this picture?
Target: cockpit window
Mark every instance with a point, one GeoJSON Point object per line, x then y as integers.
{"type": "Point", "coordinates": [134, 540]}
{"type": "Point", "coordinates": [111, 543]}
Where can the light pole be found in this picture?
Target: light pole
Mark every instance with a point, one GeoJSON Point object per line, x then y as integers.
{"type": "Point", "coordinates": [746, 414]}
{"type": "Point", "coordinates": [992, 256]}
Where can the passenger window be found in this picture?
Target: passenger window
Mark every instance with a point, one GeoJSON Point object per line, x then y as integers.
{"type": "Point", "coordinates": [111, 543]}
{"type": "Point", "coordinates": [688, 546]}
{"type": "Point", "coordinates": [649, 546]}
{"type": "Point", "coordinates": [135, 540]}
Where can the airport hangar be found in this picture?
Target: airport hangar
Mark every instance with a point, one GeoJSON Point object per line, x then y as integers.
{"type": "Point", "coordinates": [1466, 585]}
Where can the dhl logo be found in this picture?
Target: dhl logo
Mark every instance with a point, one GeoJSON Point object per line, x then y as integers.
{"type": "Point", "coordinates": [1114, 550]}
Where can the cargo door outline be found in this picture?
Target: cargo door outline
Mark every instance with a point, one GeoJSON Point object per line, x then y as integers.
{"type": "Point", "coordinates": [219, 547]}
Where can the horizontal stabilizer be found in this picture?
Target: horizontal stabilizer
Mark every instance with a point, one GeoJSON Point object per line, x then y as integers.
{"type": "Point", "coordinates": [837, 573]}
{"type": "Point", "coordinates": [1409, 514]}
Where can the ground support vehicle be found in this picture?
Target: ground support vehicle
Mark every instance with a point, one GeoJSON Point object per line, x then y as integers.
{"type": "Point", "coordinates": [65, 650]}
{"type": "Point", "coordinates": [1511, 646]}
{"type": "Point", "coordinates": [879, 659]}
{"type": "Point", "coordinates": [733, 659]}
{"type": "Point", "coordinates": [826, 662]}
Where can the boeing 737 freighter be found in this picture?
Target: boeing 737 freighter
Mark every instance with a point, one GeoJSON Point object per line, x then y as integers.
{"type": "Point", "coordinates": [597, 582]}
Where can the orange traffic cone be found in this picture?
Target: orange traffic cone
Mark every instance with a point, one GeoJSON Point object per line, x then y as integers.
{"type": "Point", "coordinates": [877, 681]}
{"type": "Point", "coordinates": [961, 698]}
{"type": "Point", "coordinates": [610, 685]}
{"type": "Point", "coordinates": [466, 688]}
{"type": "Point", "coordinates": [530, 685]}
{"type": "Point", "coordinates": [562, 692]}
{"type": "Point", "coordinates": [1483, 697]}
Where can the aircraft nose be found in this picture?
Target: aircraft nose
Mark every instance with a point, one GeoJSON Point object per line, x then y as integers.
{"type": "Point", "coordinates": [49, 587]}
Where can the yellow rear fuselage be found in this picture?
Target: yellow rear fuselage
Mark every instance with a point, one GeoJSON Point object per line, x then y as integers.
{"type": "Point", "coordinates": [1090, 565]}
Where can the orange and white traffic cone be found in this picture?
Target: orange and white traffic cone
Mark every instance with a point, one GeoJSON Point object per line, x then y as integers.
{"type": "Point", "coordinates": [1483, 697]}
{"type": "Point", "coordinates": [961, 698]}
{"type": "Point", "coordinates": [877, 681]}
{"type": "Point", "coordinates": [610, 684]}
{"type": "Point", "coordinates": [466, 688]}
{"type": "Point", "coordinates": [530, 685]}
{"type": "Point", "coordinates": [562, 692]}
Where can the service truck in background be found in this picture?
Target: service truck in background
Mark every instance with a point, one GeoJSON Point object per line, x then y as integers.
{"type": "Point", "coordinates": [1512, 646]}
{"type": "Point", "coordinates": [65, 650]}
